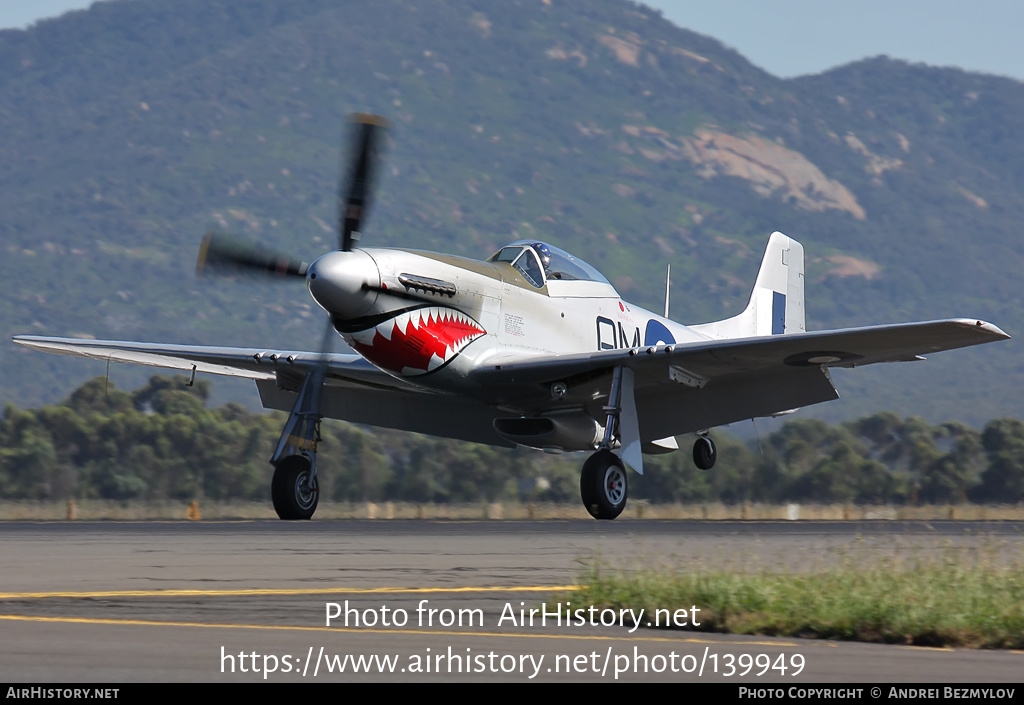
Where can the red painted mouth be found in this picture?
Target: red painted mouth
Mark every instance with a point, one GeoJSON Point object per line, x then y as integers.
{"type": "Point", "coordinates": [416, 342]}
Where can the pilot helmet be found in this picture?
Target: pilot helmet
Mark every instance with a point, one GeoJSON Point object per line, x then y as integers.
{"type": "Point", "coordinates": [544, 252]}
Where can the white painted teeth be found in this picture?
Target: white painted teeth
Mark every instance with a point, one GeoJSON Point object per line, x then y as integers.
{"type": "Point", "coordinates": [418, 319]}
{"type": "Point", "coordinates": [365, 336]}
{"type": "Point", "coordinates": [402, 322]}
{"type": "Point", "coordinates": [409, 321]}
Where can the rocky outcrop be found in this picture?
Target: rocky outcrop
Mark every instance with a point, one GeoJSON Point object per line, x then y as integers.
{"type": "Point", "coordinates": [771, 169]}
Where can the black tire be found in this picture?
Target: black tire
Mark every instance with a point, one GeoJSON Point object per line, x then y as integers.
{"type": "Point", "coordinates": [603, 485]}
{"type": "Point", "coordinates": [293, 500]}
{"type": "Point", "coordinates": [704, 453]}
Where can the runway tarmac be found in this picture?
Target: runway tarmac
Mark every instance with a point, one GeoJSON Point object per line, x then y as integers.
{"type": "Point", "coordinates": [209, 601]}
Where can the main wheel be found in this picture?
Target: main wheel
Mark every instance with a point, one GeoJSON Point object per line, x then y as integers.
{"type": "Point", "coordinates": [704, 453]}
{"type": "Point", "coordinates": [293, 494]}
{"type": "Point", "coordinates": [603, 485]}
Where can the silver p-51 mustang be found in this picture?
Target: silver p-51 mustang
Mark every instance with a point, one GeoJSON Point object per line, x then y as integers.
{"type": "Point", "coordinates": [531, 347]}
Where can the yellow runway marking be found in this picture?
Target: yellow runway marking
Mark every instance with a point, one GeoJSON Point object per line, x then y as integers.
{"type": "Point", "coordinates": [282, 591]}
{"type": "Point", "coordinates": [405, 632]}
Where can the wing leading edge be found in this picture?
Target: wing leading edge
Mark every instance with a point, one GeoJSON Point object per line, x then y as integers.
{"type": "Point", "coordinates": [251, 363]}
{"type": "Point", "coordinates": [258, 364]}
{"type": "Point", "coordinates": [233, 362]}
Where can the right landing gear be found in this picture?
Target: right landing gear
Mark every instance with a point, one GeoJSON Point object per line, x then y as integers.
{"type": "Point", "coordinates": [704, 453]}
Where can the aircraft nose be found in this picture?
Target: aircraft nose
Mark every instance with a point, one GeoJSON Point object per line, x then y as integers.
{"type": "Point", "coordinates": [345, 284]}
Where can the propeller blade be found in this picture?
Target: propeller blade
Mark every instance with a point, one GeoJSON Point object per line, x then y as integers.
{"type": "Point", "coordinates": [221, 252]}
{"type": "Point", "coordinates": [354, 202]}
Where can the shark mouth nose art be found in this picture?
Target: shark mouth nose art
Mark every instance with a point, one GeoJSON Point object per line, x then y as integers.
{"type": "Point", "coordinates": [418, 341]}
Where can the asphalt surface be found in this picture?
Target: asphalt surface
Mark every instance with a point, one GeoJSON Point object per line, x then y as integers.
{"type": "Point", "coordinates": [450, 601]}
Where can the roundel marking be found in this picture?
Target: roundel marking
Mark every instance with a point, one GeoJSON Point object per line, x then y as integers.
{"type": "Point", "coordinates": [657, 334]}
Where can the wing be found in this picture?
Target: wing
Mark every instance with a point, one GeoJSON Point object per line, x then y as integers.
{"type": "Point", "coordinates": [355, 390]}
{"type": "Point", "coordinates": [677, 388]}
{"type": "Point", "coordinates": [692, 386]}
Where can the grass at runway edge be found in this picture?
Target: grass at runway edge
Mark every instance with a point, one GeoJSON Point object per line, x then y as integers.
{"type": "Point", "coordinates": [933, 602]}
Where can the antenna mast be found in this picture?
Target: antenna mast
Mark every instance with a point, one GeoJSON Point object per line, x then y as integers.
{"type": "Point", "coordinates": [668, 285]}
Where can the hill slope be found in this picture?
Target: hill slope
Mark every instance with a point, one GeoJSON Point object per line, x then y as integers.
{"type": "Point", "coordinates": [134, 126]}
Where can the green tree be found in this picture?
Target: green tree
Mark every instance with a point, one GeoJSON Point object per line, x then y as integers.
{"type": "Point", "coordinates": [1003, 480]}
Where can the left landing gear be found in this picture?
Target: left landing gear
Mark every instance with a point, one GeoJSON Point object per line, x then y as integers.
{"type": "Point", "coordinates": [603, 485]}
{"type": "Point", "coordinates": [295, 489]}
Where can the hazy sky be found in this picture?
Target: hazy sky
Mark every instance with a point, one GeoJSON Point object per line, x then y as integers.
{"type": "Point", "coordinates": [793, 37]}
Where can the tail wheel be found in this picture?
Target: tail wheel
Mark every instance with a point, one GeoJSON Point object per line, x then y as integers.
{"type": "Point", "coordinates": [603, 485]}
{"type": "Point", "coordinates": [704, 453]}
{"type": "Point", "coordinates": [295, 497]}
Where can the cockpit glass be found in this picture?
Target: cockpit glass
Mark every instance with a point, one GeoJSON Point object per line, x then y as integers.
{"type": "Point", "coordinates": [530, 267]}
{"type": "Point", "coordinates": [506, 254]}
{"type": "Point", "coordinates": [562, 265]}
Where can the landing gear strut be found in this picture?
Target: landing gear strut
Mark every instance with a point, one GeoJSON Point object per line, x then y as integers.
{"type": "Point", "coordinates": [295, 490]}
{"type": "Point", "coordinates": [603, 484]}
{"type": "Point", "coordinates": [704, 452]}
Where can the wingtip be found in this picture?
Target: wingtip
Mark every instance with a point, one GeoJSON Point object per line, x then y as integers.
{"type": "Point", "coordinates": [989, 328]}
{"type": "Point", "coordinates": [34, 342]}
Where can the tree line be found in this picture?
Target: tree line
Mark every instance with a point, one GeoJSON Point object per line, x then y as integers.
{"type": "Point", "coordinates": [162, 442]}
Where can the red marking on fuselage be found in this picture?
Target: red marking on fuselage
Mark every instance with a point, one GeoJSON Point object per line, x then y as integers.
{"type": "Point", "coordinates": [412, 351]}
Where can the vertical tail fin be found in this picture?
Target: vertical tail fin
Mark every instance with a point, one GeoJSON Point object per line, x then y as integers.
{"type": "Point", "coordinates": [776, 304]}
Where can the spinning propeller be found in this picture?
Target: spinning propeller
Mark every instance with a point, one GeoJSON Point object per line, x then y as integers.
{"type": "Point", "coordinates": [354, 203]}
{"type": "Point", "coordinates": [226, 253]}
{"type": "Point", "coordinates": [344, 278]}
{"type": "Point", "coordinates": [222, 253]}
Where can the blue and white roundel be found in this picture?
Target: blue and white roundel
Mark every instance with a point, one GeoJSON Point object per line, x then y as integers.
{"type": "Point", "coordinates": [657, 334]}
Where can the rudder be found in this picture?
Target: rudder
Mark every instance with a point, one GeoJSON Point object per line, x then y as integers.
{"type": "Point", "coordinates": [776, 304]}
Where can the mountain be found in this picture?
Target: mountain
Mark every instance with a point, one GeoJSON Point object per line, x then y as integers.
{"type": "Point", "coordinates": [132, 127]}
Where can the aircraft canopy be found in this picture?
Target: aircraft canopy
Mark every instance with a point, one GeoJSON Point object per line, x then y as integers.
{"type": "Point", "coordinates": [525, 255]}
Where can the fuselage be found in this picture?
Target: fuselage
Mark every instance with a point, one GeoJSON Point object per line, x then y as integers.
{"type": "Point", "coordinates": [434, 318]}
